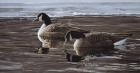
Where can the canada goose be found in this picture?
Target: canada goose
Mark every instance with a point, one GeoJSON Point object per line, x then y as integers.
{"type": "Point", "coordinates": [93, 42]}
{"type": "Point", "coordinates": [52, 35]}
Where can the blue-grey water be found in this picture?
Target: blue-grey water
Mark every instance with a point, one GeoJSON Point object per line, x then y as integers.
{"type": "Point", "coordinates": [69, 9]}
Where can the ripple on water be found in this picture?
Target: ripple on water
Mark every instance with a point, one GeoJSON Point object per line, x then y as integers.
{"type": "Point", "coordinates": [7, 65]}
{"type": "Point", "coordinates": [73, 69]}
{"type": "Point", "coordinates": [103, 64]}
{"type": "Point", "coordinates": [137, 39]}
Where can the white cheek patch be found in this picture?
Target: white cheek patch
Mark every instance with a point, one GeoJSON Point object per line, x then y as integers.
{"type": "Point", "coordinates": [40, 18]}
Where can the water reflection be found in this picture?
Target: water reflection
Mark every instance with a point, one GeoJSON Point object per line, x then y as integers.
{"type": "Point", "coordinates": [123, 62]}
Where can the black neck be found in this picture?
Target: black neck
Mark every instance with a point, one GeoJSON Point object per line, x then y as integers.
{"type": "Point", "coordinates": [47, 23]}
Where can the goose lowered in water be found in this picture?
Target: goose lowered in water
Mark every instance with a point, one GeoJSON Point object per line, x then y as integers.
{"type": "Point", "coordinates": [95, 42]}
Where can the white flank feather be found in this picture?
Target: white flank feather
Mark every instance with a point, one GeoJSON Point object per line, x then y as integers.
{"type": "Point", "coordinates": [120, 44]}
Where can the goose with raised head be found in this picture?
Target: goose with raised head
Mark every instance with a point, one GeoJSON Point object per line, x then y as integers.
{"type": "Point", "coordinates": [52, 35]}
{"type": "Point", "coordinates": [95, 42]}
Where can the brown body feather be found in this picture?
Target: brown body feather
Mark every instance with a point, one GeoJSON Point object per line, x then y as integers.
{"type": "Point", "coordinates": [54, 34]}
{"type": "Point", "coordinates": [96, 41]}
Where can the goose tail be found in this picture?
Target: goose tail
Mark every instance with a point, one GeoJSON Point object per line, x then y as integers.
{"type": "Point", "coordinates": [120, 45]}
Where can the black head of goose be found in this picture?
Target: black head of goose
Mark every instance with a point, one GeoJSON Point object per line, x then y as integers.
{"type": "Point", "coordinates": [72, 57]}
{"type": "Point", "coordinates": [43, 17]}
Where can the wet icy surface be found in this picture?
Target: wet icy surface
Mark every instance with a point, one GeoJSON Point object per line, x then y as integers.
{"type": "Point", "coordinates": [18, 40]}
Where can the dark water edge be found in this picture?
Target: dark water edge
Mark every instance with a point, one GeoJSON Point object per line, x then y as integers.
{"type": "Point", "coordinates": [18, 39]}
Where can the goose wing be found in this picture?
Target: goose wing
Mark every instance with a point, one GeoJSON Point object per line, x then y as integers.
{"type": "Point", "coordinates": [55, 31]}
{"type": "Point", "coordinates": [103, 39]}
{"type": "Point", "coordinates": [100, 40]}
